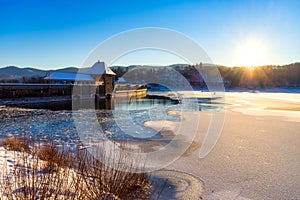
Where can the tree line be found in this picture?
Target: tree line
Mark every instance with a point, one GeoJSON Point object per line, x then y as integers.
{"type": "Point", "coordinates": [269, 76]}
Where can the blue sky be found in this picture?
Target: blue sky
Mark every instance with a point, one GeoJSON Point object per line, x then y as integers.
{"type": "Point", "coordinates": [54, 34]}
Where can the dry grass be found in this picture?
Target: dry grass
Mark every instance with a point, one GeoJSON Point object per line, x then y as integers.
{"type": "Point", "coordinates": [34, 178]}
{"type": "Point", "coordinates": [48, 172]}
{"type": "Point", "coordinates": [16, 144]}
{"type": "Point", "coordinates": [53, 157]}
{"type": "Point", "coordinates": [122, 181]}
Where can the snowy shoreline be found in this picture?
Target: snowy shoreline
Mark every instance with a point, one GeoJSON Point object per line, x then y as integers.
{"type": "Point", "coordinates": [266, 90]}
{"type": "Point", "coordinates": [32, 100]}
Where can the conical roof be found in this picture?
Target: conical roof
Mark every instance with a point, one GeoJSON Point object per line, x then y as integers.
{"type": "Point", "coordinates": [100, 68]}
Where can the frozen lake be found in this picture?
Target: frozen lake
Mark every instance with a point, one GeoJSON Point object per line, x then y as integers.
{"type": "Point", "coordinates": [54, 121]}
{"type": "Point", "coordinates": [129, 115]}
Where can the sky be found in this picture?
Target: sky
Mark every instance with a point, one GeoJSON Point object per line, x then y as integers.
{"type": "Point", "coordinates": [54, 34]}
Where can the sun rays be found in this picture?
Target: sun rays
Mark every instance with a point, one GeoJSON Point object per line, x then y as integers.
{"type": "Point", "coordinates": [252, 52]}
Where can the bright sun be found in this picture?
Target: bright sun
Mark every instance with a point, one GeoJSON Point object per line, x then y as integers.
{"type": "Point", "coordinates": [250, 53]}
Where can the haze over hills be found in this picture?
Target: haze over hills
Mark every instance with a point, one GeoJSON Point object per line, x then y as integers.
{"type": "Point", "coordinates": [17, 72]}
{"type": "Point", "coordinates": [13, 72]}
{"type": "Point", "coordinates": [245, 77]}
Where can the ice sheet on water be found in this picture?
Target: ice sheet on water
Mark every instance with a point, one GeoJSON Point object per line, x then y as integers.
{"type": "Point", "coordinates": [60, 127]}
{"type": "Point", "coordinates": [40, 124]}
{"type": "Point", "coordinates": [118, 124]}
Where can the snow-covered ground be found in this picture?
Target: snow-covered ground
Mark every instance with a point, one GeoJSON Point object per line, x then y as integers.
{"type": "Point", "coordinates": [282, 108]}
{"type": "Point", "coordinates": [267, 90]}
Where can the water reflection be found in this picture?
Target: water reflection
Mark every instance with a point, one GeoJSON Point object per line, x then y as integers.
{"type": "Point", "coordinates": [147, 103]}
{"type": "Point", "coordinates": [141, 103]}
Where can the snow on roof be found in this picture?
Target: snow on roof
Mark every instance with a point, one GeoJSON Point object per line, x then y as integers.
{"type": "Point", "coordinates": [69, 77]}
{"type": "Point", "coordinates": [100, 68]}
{"type": "Point", "coordinates": [121, 80]}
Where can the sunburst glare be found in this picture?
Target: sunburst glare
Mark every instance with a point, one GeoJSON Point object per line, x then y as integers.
{"type": "Point", "coordinates": [251, 53]}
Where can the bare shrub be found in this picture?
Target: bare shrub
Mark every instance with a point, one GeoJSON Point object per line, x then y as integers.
{"type": "Point", "coordinates": [123, 181]}
{"type": "Point", "coordinates": [54, 157]}
{"type": "Point", "coordinates": [16, 144]}
{"type": "Point", "coordinates": [49, 172]}
{"type": "Point", "coordinates": [33, 178]}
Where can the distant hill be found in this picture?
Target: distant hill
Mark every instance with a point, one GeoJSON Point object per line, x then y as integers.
{"type": "Point", "coordinates": [17, 73]}
{"type": "Point", "coordinates": [20, 72]}
{"type": "Point", "coordinates": [8, 77]}
{"type": "Point", "coordinates": [68, 70]}
{"type": "Point", "coordinates": [178, 65]}
{"type": "Point", "coordinates": [255, 77]}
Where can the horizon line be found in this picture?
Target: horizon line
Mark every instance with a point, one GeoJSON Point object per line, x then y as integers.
{"type": "Point", "coordinates": [149, 65]}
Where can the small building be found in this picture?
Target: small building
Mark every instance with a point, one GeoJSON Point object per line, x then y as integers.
{"type": "Point", "coordinates": [103, 76]}
{"type": "Point", "coordinates": [99, 76]}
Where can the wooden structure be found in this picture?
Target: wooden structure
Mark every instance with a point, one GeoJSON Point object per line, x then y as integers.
{"type": "Point", "coordinates": [96, 82]}
{"type": "Point", "coordinates": [104, 78]}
